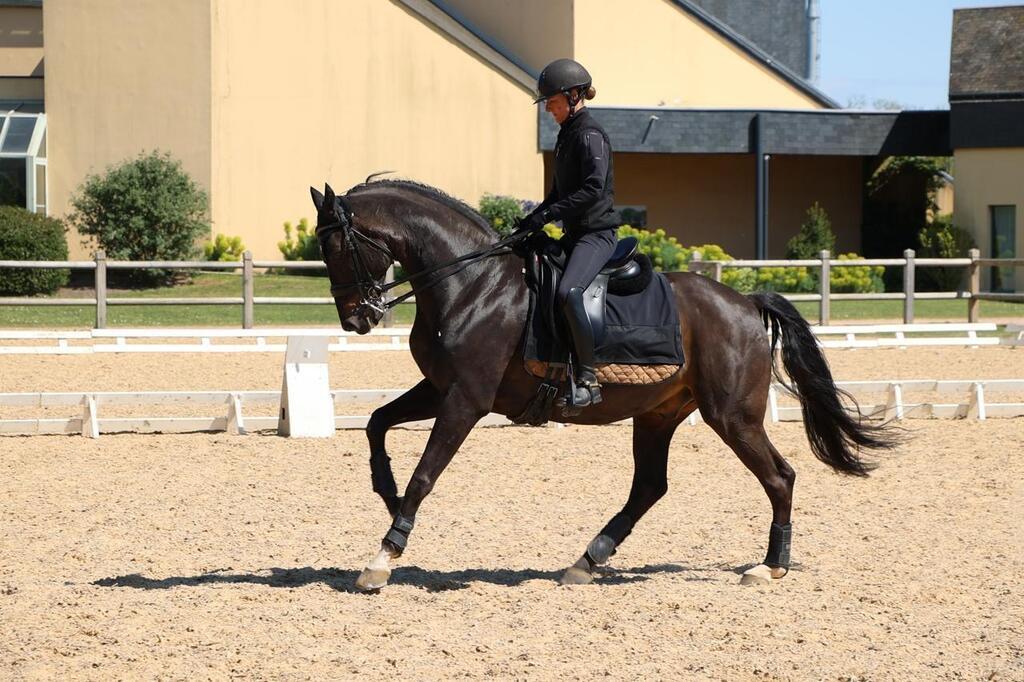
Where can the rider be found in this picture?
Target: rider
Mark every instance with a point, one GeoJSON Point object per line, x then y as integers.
{"type": "Point", "coordinates": [581, 197]}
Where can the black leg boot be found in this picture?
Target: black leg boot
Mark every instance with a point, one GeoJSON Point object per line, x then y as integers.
{"type": "Point", "coordinates": [584, 390]}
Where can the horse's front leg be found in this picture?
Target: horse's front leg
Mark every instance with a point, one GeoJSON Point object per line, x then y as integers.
{"type": "Point", "coordinates": [419, 402]}
{"type": "Point", "coordinates": [459, 411]}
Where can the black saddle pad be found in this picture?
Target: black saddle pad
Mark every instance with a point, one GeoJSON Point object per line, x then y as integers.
{"type": "Point", "coordinates": [641, 329]}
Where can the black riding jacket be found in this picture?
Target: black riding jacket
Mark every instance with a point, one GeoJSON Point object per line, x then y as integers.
{"type": "Point", "coordinates": [583, 193]}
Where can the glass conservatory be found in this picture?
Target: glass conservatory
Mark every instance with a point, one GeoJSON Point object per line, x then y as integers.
{"type": "Point", "coordinates": [23, 161]}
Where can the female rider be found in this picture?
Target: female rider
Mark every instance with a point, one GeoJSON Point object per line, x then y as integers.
{"type": "Point", "coordinates": [581, 196]}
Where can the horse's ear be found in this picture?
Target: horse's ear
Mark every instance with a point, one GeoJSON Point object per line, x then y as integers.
{"type": "Point", "coordinates": [328, 194]}
{"type": "Point", "coordinates": [318, 199]}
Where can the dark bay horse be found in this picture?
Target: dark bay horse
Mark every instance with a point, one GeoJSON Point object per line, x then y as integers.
{"type": "Point", "coordinates": [467, 341]}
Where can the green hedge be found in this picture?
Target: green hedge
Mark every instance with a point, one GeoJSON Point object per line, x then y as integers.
{"type": "Point", "coordinates": [29, 236]}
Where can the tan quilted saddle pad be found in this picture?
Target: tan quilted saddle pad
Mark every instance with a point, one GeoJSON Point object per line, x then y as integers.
{"type": "Point", "coordinates": [614, 373]}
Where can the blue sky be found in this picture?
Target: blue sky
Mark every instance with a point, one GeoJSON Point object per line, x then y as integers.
{"type": "Point", "coordinates": [889, 49]}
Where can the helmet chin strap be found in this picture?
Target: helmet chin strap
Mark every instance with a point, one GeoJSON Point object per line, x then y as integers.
{"type": "Point", "coordinates": [573, 97]}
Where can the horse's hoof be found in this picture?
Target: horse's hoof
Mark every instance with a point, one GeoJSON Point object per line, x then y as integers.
{"type": "Point", "coordinates": [762, 575]}
{"type": "Point", "coordinates": [574, 575]}
{"type": "Point", "coordinates": [372, 579]}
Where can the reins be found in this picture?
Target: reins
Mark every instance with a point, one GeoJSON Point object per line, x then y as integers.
{"type": "Point", "coordinates": [372, 290]}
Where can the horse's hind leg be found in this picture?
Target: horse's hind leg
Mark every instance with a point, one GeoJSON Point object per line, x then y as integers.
{"type": "Point", "coordinates": [652, 434]}
{"type": "Point", "coordinates": [745, 434]}
{"type": "Point", "coordinates": [419, 402]}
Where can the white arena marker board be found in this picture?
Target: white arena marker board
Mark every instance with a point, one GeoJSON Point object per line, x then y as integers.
{"type": "Point", "coordinates": [307, 408]}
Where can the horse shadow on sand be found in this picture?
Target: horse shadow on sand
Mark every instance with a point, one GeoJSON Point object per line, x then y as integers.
{"type": "Point", "coordinates": [343, 580]}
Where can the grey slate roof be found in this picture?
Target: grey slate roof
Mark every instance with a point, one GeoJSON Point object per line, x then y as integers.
{"type": "Point", "coordinates": [779, 27]}
{"type": "Point", "coordinates": [709, 20]}
{"type": "Point", "coordinates": [987, 57]}
{"type": "Point", "coordinates": [730, 131]}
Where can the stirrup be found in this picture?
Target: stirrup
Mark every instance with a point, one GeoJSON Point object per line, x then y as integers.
{"type": "Point", "coordinates": [572, 403]}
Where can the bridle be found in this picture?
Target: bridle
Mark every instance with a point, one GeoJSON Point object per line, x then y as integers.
{"type": "Point", "coordinates": [372, 289]}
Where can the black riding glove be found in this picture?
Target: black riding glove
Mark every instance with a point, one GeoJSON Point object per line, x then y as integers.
{"type": "Point", "coordinates": [533, 222]}
{"type": "Point", "coordinates": [536, 242]}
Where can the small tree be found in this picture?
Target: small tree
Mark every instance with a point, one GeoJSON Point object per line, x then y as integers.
{"type": "Point", "coordinates": [815, 235]}
{"type": "Point", "coordinates": [147, 208]}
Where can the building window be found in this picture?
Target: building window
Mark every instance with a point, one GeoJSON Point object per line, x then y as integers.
{"type": "Point", "coordinates": [23, 161]}
{"type": "Point", "coordinates": [635, 216]}
{"type": "Point", "coordinates": [1004, 245]}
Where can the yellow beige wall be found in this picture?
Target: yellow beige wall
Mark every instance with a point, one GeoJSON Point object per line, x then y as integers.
{"type": "Point", "coordinates": [536, 31]}
{"type": "Point", "coordinates": [694, 197]}
{"type": "Point", "coordinates": [122, 77]}
{"type": "Point", "coordinates": [318, 90]}
{"type": "Point", "coordinates": [651, 52]}
{"type": "Point", "coordinates": [21, 42]}
{"type": "Point", "coordinates": [985, 178]}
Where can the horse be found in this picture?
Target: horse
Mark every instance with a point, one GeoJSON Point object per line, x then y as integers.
{"type": "Point", "coordinates": [467, 341]}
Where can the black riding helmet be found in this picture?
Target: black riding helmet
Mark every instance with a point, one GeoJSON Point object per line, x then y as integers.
{"type": "Point", "coordinates": [562, 75]}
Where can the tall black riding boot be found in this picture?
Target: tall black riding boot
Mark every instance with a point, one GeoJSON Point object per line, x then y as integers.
{"type": "Point", "coordinates": [585, 390]}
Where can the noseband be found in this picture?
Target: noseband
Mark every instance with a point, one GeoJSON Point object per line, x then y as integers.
{"type": "Point", "coordinates": [371, 289]}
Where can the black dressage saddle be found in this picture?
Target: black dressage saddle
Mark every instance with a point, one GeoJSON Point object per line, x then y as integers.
{"type": "Point", "coordinates": [626, 272]}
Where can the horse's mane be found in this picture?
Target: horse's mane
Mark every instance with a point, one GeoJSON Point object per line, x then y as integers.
{"type": "Point", "coordinates": [431, 193]}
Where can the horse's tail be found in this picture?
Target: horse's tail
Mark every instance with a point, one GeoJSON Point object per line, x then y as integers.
{"type": "Point", "coordinates": [835, 434]}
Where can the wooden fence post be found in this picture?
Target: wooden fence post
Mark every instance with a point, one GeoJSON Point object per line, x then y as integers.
{"type": "Point", "coordinates": [100, 284]}
{"type": "Point", "coordinates": [695, 262]}
{"type": "Point", "coordinates": [718, 271]}
{"type": "Point", "coordinates": [974, 286]}
{"type": "Point", "coordinates": [247, 291]}
{"type": "Point", "coordinates": [825, 289]}
{"type": "Point", "coordinates": [908, 287]}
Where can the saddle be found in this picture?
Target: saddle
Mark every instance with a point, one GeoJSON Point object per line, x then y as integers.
{"type": "Point", "coordinates": [637, 338]}
{"type": "Point", "coordinates": [622, 266]}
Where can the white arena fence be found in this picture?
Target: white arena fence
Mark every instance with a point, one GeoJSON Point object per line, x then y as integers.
{"type": "Point", "coordinates": [971, 403]}
{"type": "Point", "coordinates": [159, 340]}
{"type": "Point", "coordinates": [247, 300]}
{"type": "Point", "coordinates": [76, 342]}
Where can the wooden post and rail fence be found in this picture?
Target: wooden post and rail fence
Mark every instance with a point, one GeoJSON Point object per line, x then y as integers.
{"type": "Point", "coordinates": [716, 269]}
{"type": "Point", "coordinates": [909, 295]}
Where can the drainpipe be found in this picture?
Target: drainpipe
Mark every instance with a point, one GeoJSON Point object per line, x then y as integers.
{"type": "Point", "coordinates": [813, 40]}
{"type": "Point", "coordinates": [761, 195]}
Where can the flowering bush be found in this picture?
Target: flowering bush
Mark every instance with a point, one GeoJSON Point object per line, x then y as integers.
{"type": "Point", "coordinates": [859, 279]}
{"type": "Point", "coordinates": [501, 212]}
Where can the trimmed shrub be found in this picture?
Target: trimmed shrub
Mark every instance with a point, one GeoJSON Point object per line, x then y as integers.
{"type": "Point", "coordinates": [501, 212]}
{"type": "Point", "coordinates": [147, 208]}
{"type": "Point", "coordinates": [224, 248]}
{"type": "Point", "coordinates": [815, 236]}
{"type": "Point", "coordinates": [942, 239]}
{"type": "Point", "coordinates": [30, 236]}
